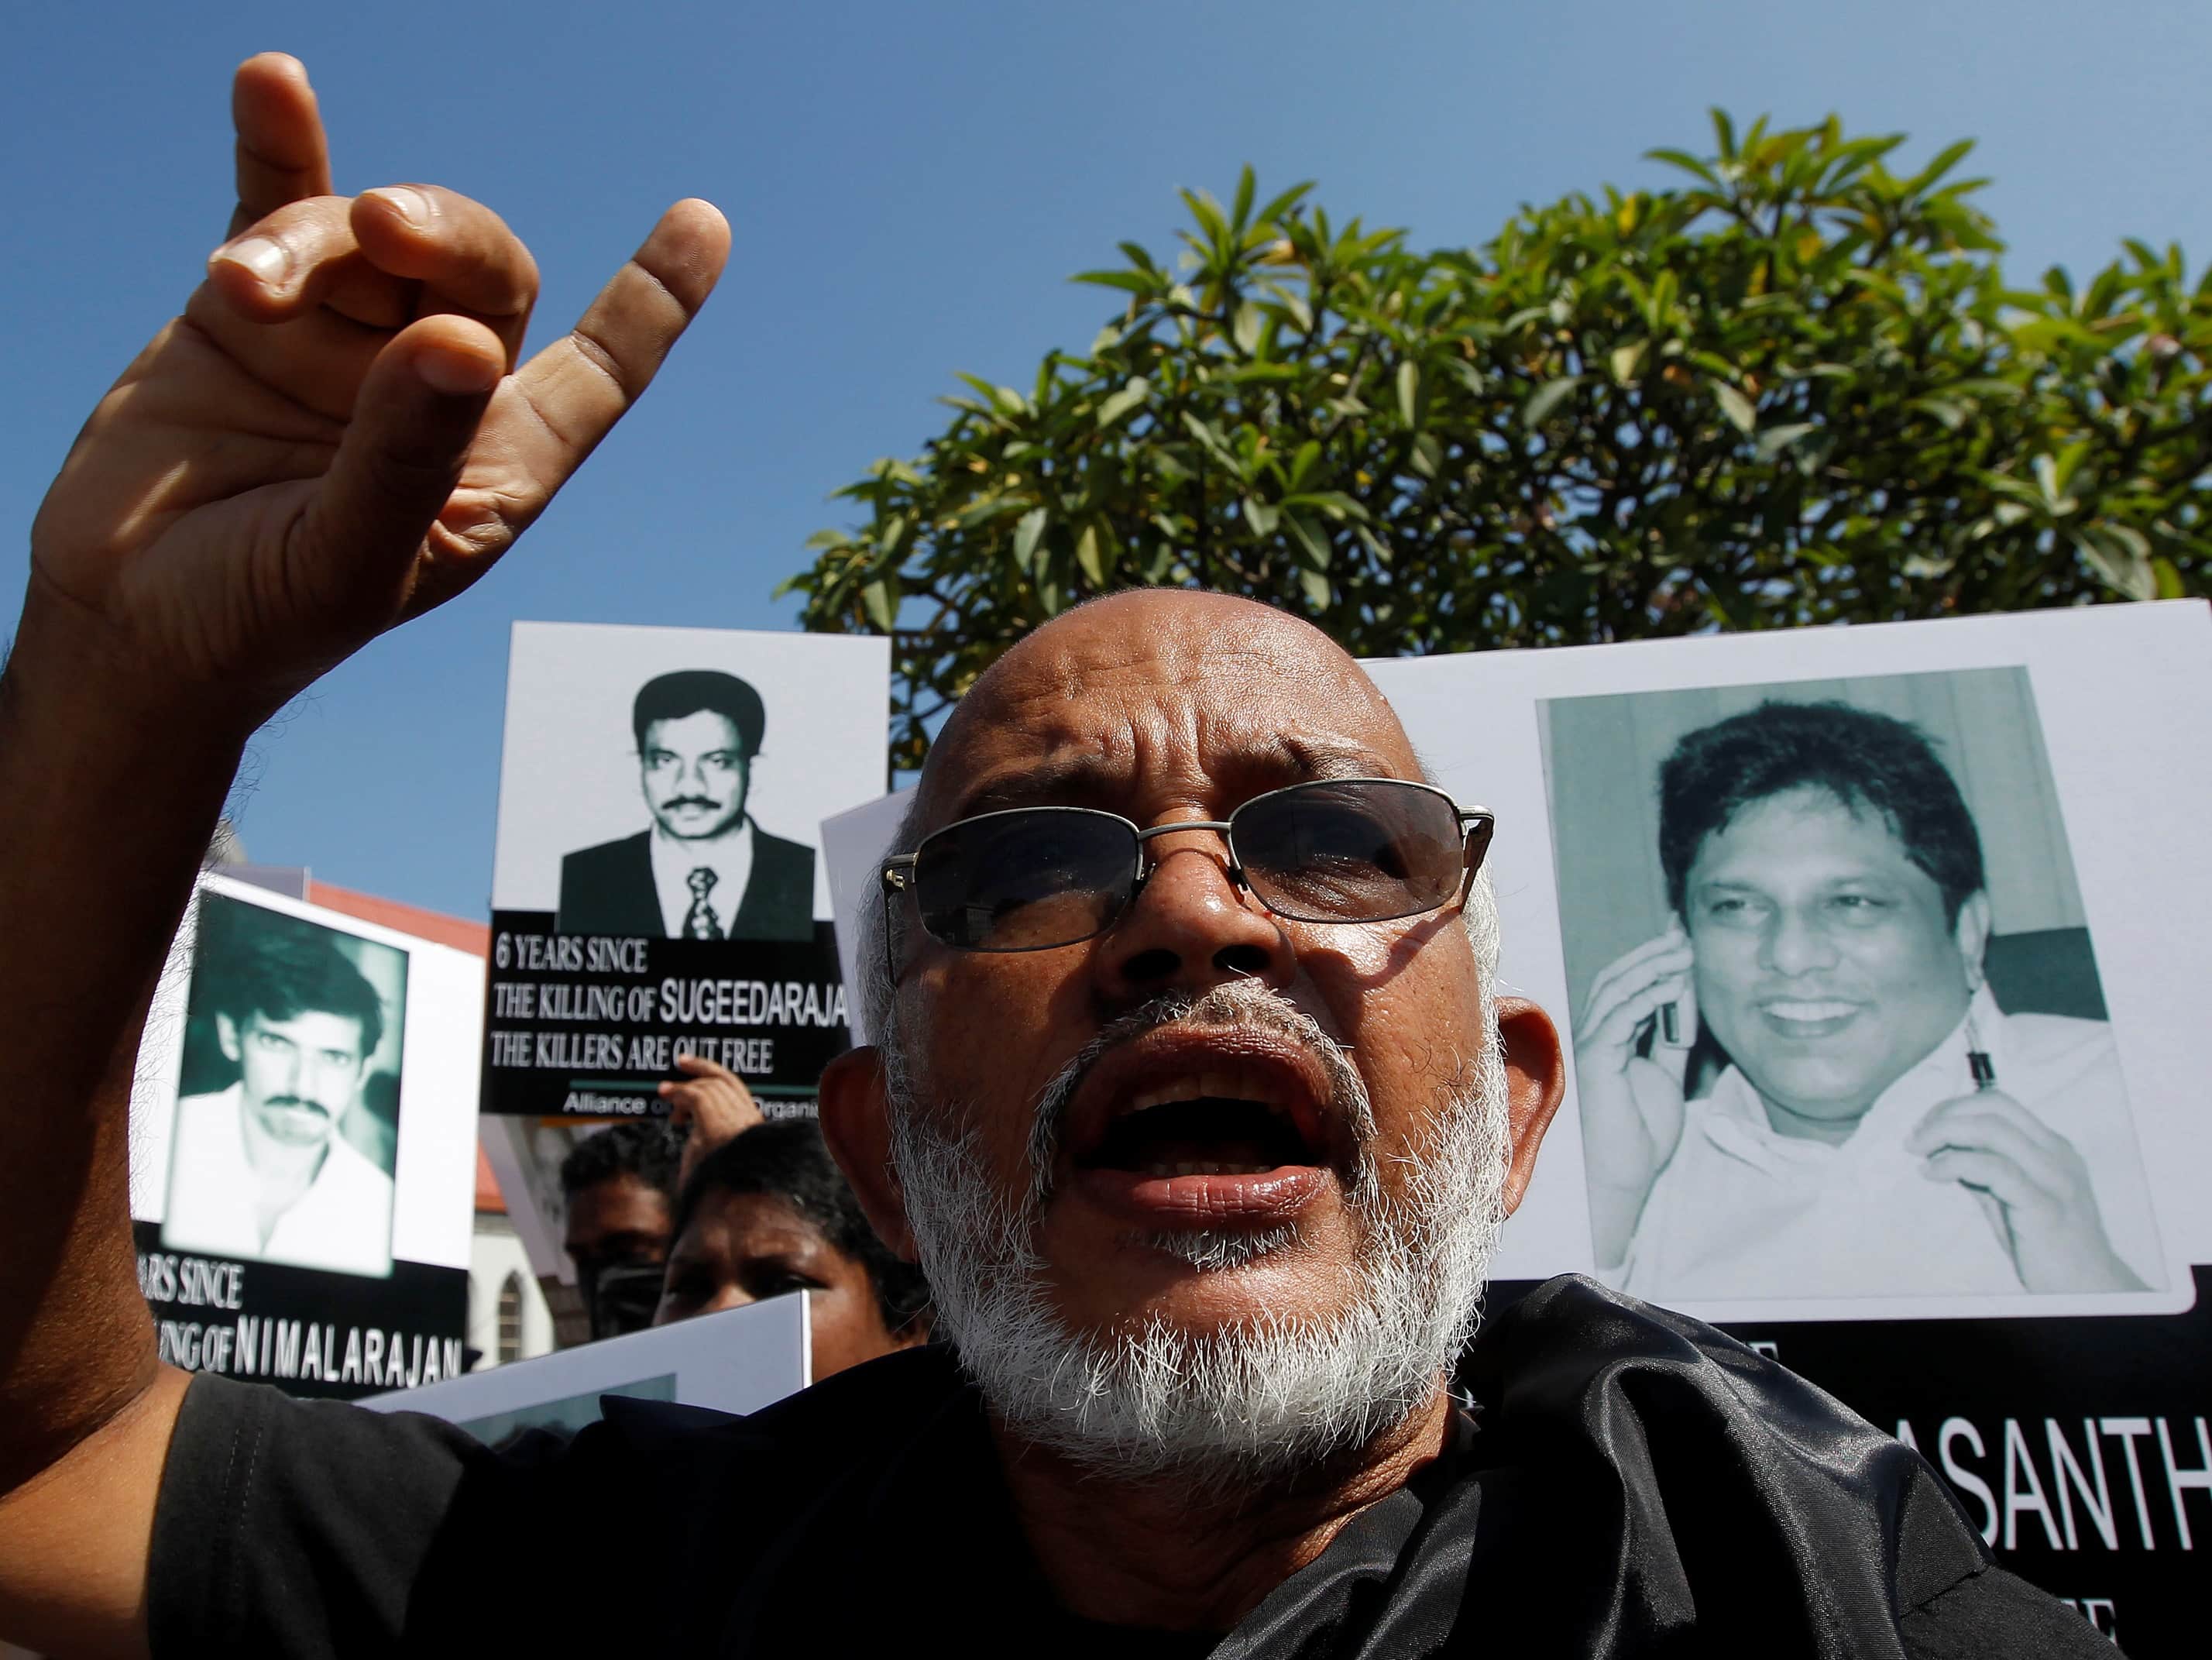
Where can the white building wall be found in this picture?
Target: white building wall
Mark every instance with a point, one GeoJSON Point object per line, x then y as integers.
{"type": "Point", "coordinates": [495, 1254]}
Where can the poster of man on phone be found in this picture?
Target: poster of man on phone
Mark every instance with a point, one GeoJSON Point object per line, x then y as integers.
{"type": "Point", "coordinates": [1833, 1037]}
{"type": "Point", "coordinates": [1868, 946]}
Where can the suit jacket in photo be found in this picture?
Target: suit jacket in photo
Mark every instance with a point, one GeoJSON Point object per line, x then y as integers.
{"type": "Point", "coordinates": [609, 890]}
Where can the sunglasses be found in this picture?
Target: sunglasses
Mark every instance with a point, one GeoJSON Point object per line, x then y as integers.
{"type": "Point", "coordinates": [1337, 850]}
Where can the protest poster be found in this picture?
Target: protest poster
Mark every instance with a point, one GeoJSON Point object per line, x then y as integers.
{"type": "Point", "coordinates": [303, 1146]}
{"type": "Point", "coordinates": [2017, 919]}
{"type": "Point", "coordinates": [656, 888]}
{"type": "Point", "coordinates": [738, 1360]}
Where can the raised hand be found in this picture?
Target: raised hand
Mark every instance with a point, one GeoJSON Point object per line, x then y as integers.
{"type": "Point", "coordinates": [1631, 1105]}
{"type": "Point", "coordinates": [711, 1105]}
{"type": "Point", "coordinates": [2033, 1188]}
{"type": "Point", "coordinates": [335, 435]}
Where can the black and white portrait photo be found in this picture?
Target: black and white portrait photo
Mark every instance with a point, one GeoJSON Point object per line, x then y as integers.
{"type": "Point", "coordinates": [285, 1136]}
{"type": "Point", "coordinates": [701, 869]}
{"type": "Point", "coordinates": [1837, 1021]}
{"type": "Point", "coordinates": [670, 783]}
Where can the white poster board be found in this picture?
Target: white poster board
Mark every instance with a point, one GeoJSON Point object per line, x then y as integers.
{"type": "Point", "coordinates": [737, 1361]}
{"type": "Point", "coordinates": [303, 1145]}
{"type": "Point", "coordinates": [657, 886]}
{"type": "Point", "coordinates": [2078, 739]}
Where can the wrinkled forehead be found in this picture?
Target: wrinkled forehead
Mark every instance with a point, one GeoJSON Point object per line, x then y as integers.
{"type": "Point", "coordinates": [1148, 703]}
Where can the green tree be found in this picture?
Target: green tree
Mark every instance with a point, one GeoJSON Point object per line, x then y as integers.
{"type": "Point", "coordinates": [1795, 390]}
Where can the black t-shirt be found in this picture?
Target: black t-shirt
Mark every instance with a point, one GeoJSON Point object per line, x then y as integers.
{"type": "Point", "coordinates": [1639, 1485]}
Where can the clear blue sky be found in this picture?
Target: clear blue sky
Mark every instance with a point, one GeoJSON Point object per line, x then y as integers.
{"type": "Point", "coordinates": [910, 184]}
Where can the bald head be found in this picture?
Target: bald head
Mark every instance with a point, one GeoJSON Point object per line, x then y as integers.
{"type": "Point", "coordinates": [1160, 681]}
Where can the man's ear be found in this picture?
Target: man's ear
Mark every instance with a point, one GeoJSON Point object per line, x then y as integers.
{"type": "Point", "coordinates": [1971, 933]}
{"type": "Point", "coordinates": [1536, 1083]}
{"type": "Point", "coordinates": [226, 1033]}
{"type": "Point", "coordinates": [856, 1123]}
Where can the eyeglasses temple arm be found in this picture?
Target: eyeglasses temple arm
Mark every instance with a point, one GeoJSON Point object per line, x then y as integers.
{"type": "Point", "coordinates": [1478, 824]}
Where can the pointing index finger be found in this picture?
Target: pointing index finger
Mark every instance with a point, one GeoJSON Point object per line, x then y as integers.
{"type": "Point", "coordinates": [283, 157]}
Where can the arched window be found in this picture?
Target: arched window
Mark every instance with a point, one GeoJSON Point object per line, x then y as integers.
{"type": "Point", "coordinates": [510, 1319]}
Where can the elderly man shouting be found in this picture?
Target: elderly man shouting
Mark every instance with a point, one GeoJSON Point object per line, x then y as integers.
{"type": "Point", "coordinates": [1196, 1098]}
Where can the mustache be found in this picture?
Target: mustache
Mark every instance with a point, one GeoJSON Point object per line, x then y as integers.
{"type": "Point", "coordinates": [674, 802]}
{"type": "Point", "coordinates": [1243, 1004]}
{"type": "Point", "coordinates": [299, 1101]}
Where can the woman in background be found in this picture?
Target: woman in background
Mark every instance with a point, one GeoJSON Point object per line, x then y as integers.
{"type": "Point", "coordinates": [764, 1212]}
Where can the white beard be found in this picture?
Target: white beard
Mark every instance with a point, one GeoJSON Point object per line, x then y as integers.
{"type": "Point", "coordinates": [1249, 1402]}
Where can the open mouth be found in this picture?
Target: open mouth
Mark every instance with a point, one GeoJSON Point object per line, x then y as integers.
{"type": "Point", "coordinates": [1179, 1131]}
{"type": "Point", "coordinates": [1210, 1125]}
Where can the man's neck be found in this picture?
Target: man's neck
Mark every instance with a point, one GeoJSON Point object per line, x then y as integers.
{"type": "Point", "coordinates": [1152, 1555]}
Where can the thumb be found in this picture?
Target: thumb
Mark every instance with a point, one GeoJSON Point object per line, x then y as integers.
{"type": "Point", "coordinates": [403, 451]}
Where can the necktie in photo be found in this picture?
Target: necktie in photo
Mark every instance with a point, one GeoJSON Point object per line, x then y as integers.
{"type": "Point", "coordinates": [699, 922]}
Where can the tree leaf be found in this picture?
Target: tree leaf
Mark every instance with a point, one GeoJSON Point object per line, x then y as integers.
{"type": "Point", "coordinates": [1026, 536]}
{"type": "Point", "coordinates": [1133, 395]}
{"type": "Point", "coordinates": [876, 599]}
{"type": "Point", "coordinates": [1316, 587]}
{"type": "Point", "coordinates": [1547, 398]}
{"type": "Point", "coordinates": [1089, 557]}
{"type": "Point", "coordinates": [1775, 440]}
{"type": "Point", "coordinates": [1409, 392]}
{"type": "Point", "coordinates": [1246, 328]}
{"type": "Point", "coordinates": [1734, 404]}
{"type": "Point", "coordinates": [1313, 549]}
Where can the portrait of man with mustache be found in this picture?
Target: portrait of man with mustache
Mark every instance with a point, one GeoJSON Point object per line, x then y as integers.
{"type": "Point", "coordinates": [264, 1169]}
{"type": "Point", "coordinates": [704, 870]}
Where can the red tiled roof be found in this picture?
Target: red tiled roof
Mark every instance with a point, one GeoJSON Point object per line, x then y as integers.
{"type": "Point", "coordinates": [474, 937]}
{"type": "Point", "coordinates": [488, 1197]}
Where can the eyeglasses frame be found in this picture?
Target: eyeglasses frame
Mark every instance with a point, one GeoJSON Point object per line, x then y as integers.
{"type": "Point", "coordinates": [1477, 825]}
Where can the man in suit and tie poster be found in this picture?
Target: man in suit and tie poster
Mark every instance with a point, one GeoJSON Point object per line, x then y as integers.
{"type": "Point", "coordinates": [703, 869]}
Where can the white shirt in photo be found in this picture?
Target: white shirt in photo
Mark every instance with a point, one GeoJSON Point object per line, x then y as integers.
{"type": "Point", "coordinates": [730, 856]}
{"type": "Point", "coordinates": [1741, 1212]}
{"type": "Point", "coordinates": [343, 1222]}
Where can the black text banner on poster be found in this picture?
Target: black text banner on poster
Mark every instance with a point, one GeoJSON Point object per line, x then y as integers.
{"type": "Point", "coordinates": [590, 1025]}
{"type": "Point", "coordinates": [309, 1333]}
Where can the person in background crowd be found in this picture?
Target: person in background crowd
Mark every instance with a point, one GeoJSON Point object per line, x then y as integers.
{"type": "Point", "coordinates": [619, 1188]}
{"type": "Point", "coordinates": [1199, 1105]}
{"type": "Point", "coordinates": [764, 1212]}
{"type": "Point", "coordinates": [767, 1213]}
